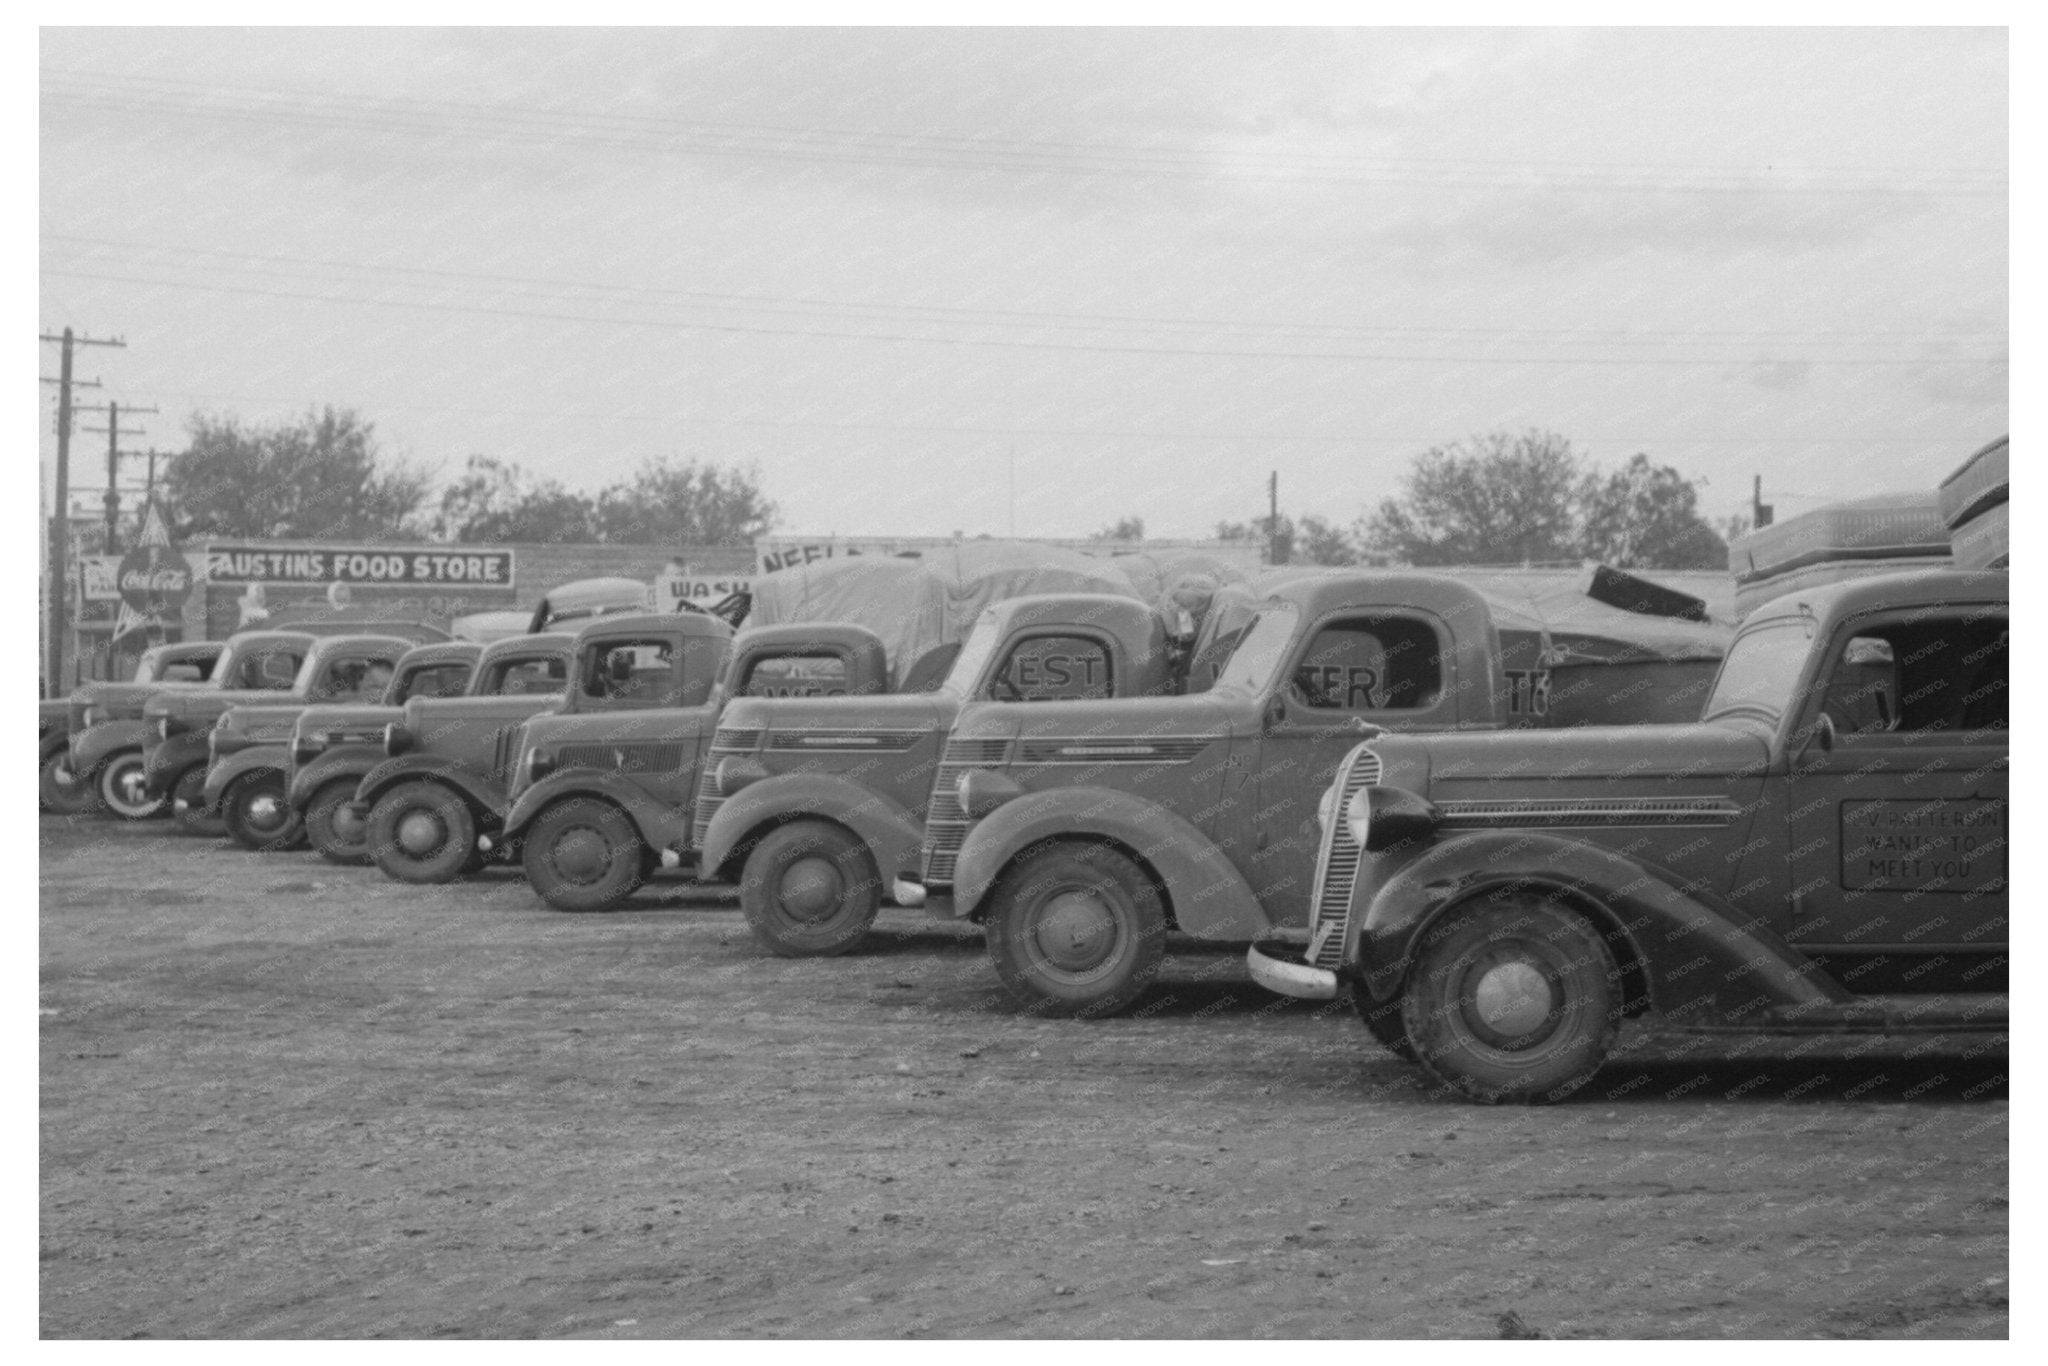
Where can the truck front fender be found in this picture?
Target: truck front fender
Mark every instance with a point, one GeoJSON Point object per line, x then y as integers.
{"type": "Point", "coordinates": [342, 763]}
{"type": "Point", "coordinates": [1209, 898]}
{"type": "Point", "coordinates": [254, 759]}
{"type": "Point", "coordinates": [166, 761]}
{"type": "Point", "coordinates": [482, 791]}
{"type": "Point", "coordinates": [893, 836]}
{"type": "Point", "coordinates": [51, 742]}
{"type": "Point", "coordinates": [1701, 960]}
{"type": "Point", "coordinates": [95, 745]}
{"type": "Point", "coordinates": [661, 826]}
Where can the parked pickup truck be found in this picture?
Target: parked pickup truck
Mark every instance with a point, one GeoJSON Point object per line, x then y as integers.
{"type": "Point", "coordinates": [1825, 850]}
{"type": "Point", "coordinates": [332, 669]}
{"type": "Point", "coordinates": [602, 794]}
{"type": "Point", "coordinates": [1080, 832]}
{"type": "Point", "coordinates": [333, 747]}
{"type": "Point", "coordinates": [69, 793]}
{"type": "Point", "coordinates": [249, 749]}
{"type": "Point", "coordinates": [808, 803]}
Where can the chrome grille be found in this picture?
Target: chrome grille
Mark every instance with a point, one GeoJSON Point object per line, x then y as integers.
{"type": "Point", "coordinates": [1337, 869]}
{"type": "Point", "coordinates": [727, 740]}
{"type": "Point", "coordinates": [945, 826]}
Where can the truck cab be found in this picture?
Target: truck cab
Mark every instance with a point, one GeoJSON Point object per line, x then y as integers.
{"type": "Point", "coordinates": [328, 668]}
{"type": "Point", "coordinates": [185, 664]}
{"type": "Point", "coordinates": [442, 784]}
{"type": "Point", "coordinates": [602, 795]}
{"type": "Point", "coordinates": [813, 804]}
{"type": "Point", "coordinates": [249, 751]}
{"type": "Point", "coordinates": [1079, 833]}
{"type": "Point", "coordinates": [1825, 850]}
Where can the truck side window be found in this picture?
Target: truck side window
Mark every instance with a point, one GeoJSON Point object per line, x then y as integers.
{"type": "Point", "coordinates": [1371, 664]}
{"type": "Point", "coordinates": [633, 673]}
{"type": "Point", "coordinates": [354, 678]}
{"type": "Point", "coordinates": [271, 671]}
{"type": "Point", "coordinates": [1944, 673]}
{"type": "Point", "coordinates": [435, 680]}
{"type": "Point", "coordinates": [815, 675]}
{"type": "Point", "coordinates": [1053, 668]}
{"type": "Point", "coordinates": [525, 677]}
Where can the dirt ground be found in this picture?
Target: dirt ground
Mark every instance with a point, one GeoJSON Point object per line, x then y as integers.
{"type": "Point", "coordinates": [283, 1099]}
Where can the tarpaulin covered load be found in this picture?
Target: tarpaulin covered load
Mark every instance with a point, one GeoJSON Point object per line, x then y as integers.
{"type": "Point", "coordinates": [1974, 503]}
{"type": "Point", "coordinates": [1881, 534]}
{"type": "Point", "coordinates": [1182, 580]}
{"type": "Point", "coordinates": [919, 605]}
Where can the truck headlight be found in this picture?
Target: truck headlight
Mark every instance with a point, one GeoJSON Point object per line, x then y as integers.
{"type": "Point", "coordinates": [89, 717]}
{"type": "Point", "coordinates": [163, 728]}
{"type": "Point", "coordinates": [539, 763]}
{"type": "Point", "coordinates": [981, 790]}
{"type": "Point", "coordinates": [1358, 815]}
{"type": "Point", "coordinates": [397, 739]}
{"type": "Point", "coordinates": [735, 772]}
{"type": "Point", "coordinates": [1326, 809]}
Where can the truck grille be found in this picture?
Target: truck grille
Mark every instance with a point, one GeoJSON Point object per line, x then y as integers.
{"type": "Point", "coordinates": [1337, 869]}
{"type": "Point", "coordinates": [504, 752]}
{"type": "Point", "coordinates": [654, 756]}
{"type": "Point", "coordinates": [728, 740]}
{"type": "Point", "coordinates": [945, 826]}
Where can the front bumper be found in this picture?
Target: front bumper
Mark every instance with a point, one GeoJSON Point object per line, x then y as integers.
{"type": "Point", "coordinates": [1291, 978]}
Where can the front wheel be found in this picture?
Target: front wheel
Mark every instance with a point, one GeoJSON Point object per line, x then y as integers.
{"type": "Point", "coordinates": [188, 805]}
{"type": "Point", "coordinates": [340, 835]}
{"type": "Point", "coordinates": [583, 854]}
{"type": "Point", "coordinates": [1512, 1001]}
{"type": "Point", "coordinates": [258, 816]}
{"type": "Point", "coordinates": [1383, 1022]}
{"type": "Point", "coordinates": [1076, 929]}
{"type": "Point", "coordinates": [119, 782]}
{"type": "Point", "coordinates": [60, 791]}
{"type": "Point", "coordinates": [810, 890]}
{"type": "Point", "coordinates": [422, 832]}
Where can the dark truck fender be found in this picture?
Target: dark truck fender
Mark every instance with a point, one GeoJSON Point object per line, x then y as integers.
{"type": "Point", "coordinates": [482, 791]}
{"type": "Point", "coordinates": [95, 745]}
{"type": "Point", "coordinates": [1208, 896]}
{"type": "Point", "coordinates": [224, 774]}
{"type": "Point", "coordinates": [1700, 961]}
{"type": "Point", "coordinates": [335, 764]}
{"type": "Point", "coordinates": [893, 836]}
{"type": "Point", "coordinates": [51, 742]}
{"type": "Point", "coordinates": [661, 826]}
{"type": "Point", "coordinates": [166, 761]}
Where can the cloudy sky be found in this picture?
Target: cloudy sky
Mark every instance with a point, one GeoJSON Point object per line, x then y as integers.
{"type": "Point", "coordinates": [1138, 268]}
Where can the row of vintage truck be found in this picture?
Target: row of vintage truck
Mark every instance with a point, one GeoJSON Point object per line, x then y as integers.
{"type": "Point", "coordinates": [1500, 841]}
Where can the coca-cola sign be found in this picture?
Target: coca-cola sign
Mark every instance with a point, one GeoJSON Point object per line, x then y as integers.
{"type": "Point", "coordinates": [154, 580]}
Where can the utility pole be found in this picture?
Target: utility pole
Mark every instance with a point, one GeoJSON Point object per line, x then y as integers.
{"type": "Point", "coordinates": [60, 528]}
{"type": "Point", "coordinates": [1759, 511]}
{"type": "Point", "coordinates": [112, 500]}
{"type": "Point", "coordinates": [1273, 518]}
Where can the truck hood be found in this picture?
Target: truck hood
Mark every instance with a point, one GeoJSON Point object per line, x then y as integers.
{"type": "Point", "coordinates": [191, 705]}
{"type": "Point", "coordinates": [1632, 754]}
{"type": "Point", "coordinates": [1192, 714]}
{"type": "Point", "coordinates": [114, 701]}
{"type": "Point", "coordinates": [895, 711]}
{"type": "Point", "coordinates": [269, 724]}
{"type": "Point", "coordinates": [422, 713]}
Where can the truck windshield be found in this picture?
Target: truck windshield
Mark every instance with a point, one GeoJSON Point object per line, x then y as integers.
{"type": "Point", "coordinates": [1761, 670]}
{"type": "Point", "coordinates": [266, 666]}
{"type": "Point", "coordinates": [1263, 649]}
{"type": "Point", "coordinates": [973, 660]}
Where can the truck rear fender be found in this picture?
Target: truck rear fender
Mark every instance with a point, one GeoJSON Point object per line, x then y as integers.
{"type": "Point", "coordinates": [239, 765]}
{"type": "Point", "coordinates": [1688, 955]}
{"type": "Point", "coordinates": [479, 789]}
{"type": "Point", "coordinates": [661, 826]}
{"type": "Point", "coordinates": [1205, 894]}
{"type": "Point", "coordinates": [95, 745]}
{"type": "Point", "coordinates": [893, 836]}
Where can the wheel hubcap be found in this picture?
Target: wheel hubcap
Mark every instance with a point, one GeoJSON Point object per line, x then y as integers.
{"type": "Point", "coordinates": [420, 833]}
{"type": "Point", "coordinates": [810, 889]}
{"type": "Point", "coordinates": [130, 783]}
{"type": "Point", "coordinates": [347, 825]}
{"type": "Point", "coordinates": [1513, 999]}
{"type": "Point", "coordinates": [264, 812]}
{"type": "Point", "coordinates": [582, 854]}
{"type": "Point", "coordinates": [1075, 931]}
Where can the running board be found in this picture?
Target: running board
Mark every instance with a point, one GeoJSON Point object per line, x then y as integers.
{"type": "Point", "coordinates": [1949, 1014]}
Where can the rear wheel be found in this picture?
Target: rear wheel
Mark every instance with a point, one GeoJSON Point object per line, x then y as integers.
{"type": "Point", "coordinates": [119, 783]}
{"type": "Point", "coordinates": [59, 790]}
{"type": "Point", "coordinates": [188, 805]}
{"type": "Point", "coordinates": [810, 889]}
{"type": "Point", "coordinates": [259, 817]}
{"type": "Point", "coordinates": [335, 830]}
{"type": "Point", "coordinates": [1076, 929]}
{"type": "Point", "coordinates": [1512, 1001]}
{"type": "Point", "coordinates": [583, 854]}
{"type": "Point", "coordinates": [422, 832]}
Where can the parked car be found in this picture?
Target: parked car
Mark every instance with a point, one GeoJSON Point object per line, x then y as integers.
{"type": "Point", "coordinates": [1825, 850]}
{"type": "Point", "coordinates": [330, 669]}
{"type": "Point", "coordinates": [61, 790]}
{"type": "Point", "coordinates": [1079, 832]}
{"type": "Point", "coordinates": [602, 795]}
{"type": "Point", "coordinates": [249, 750]}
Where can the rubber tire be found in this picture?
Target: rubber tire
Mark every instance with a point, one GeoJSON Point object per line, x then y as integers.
{"type": "Point", "coordinates": [1124, 890]}
{"type": "Point", "coordinates": [1383, 1022]}
{"type": "Point", "coordinates": [1581, 1025]}
{"type": "Point", "coordinates": [449, 859]}
{"type": "Point", "coordinates": [235, 805]}
{"type": "Point", "coordinates": [320, 825]}
{"type": "Point", "coordinates": [107, 783]}
{"type": "Point", "coordinates": [625, 853]}
{"type": "Point", "coordinates": [191, 785]}
{"type": "Point", "coordinates": [859, 894]}
{"type": "Point", "coordinates": [60, 798]}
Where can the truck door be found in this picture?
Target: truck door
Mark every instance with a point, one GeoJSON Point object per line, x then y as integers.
{"type": "Point", "coordinates": [660, 673]}
{"type": "Point", "coordinates": [1352, 671]}
{"type": "Point", "coordinates": [1898, 817]}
